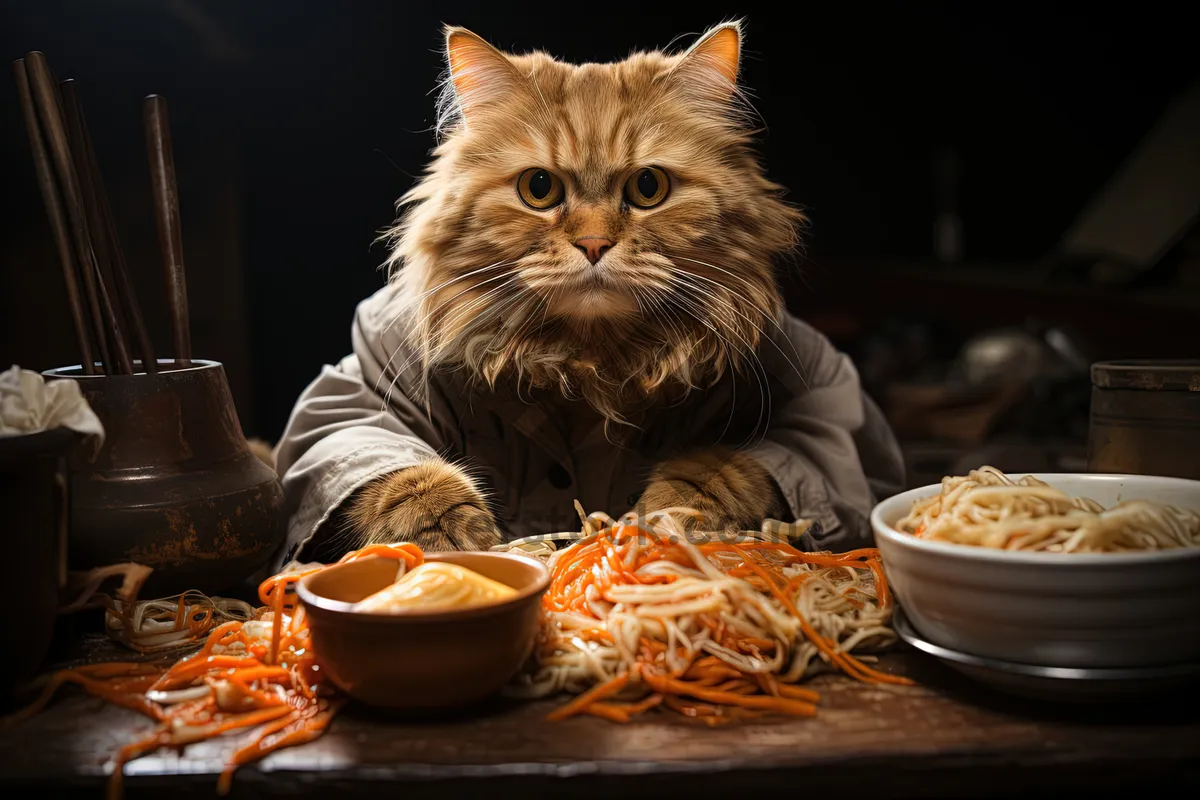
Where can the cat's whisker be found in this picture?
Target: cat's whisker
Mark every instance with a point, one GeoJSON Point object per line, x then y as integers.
{"type": "Point", "coordinates": [504, 264]}
{"type": "Point", "coordinates": [761, 379]}
{"type": "Point", "coordinates": [503, 351]}
{"type": "Point", "coordinates": [759, 371]}
{"type": "Point", "coordinates": [732, 312]}
{"type": "Point", "coordinates": [429, 351]}
{"type": "Point", "coordinates": [447, 305]}
{"type": "Point", "coordinates": [422, 295]}
{"type": "Point", "coordinates": [699, 313]}
{"type": "Point", "coordinates": [418, 327]}
{"type": "Point", "coordinates": [639, 298]}
{"type": "Point", "coordinates": [546, 307]}
{"type": "Point", "coordinates": [769, 317]}
{"type": "Point", "coordinates": [733, 404]}
{"type": "Point", "coordinates": [763, 336]}
{"type": "Point", "coordinates": [678, 337]}
{"type": "Point", "coordinates": [672, 319]}
{"type": "Point", "coordinates": [662, 303]}
{"type": "Point", "coordinates": [444, 322]}
{"type": "Point", "coordinates": [659, 291]}
{"type": "Point", "coordinates": [431, 355]}
{"type": "Point", "coordinates": [454, 313]}
{"type": "Point", "coordinates": [472, 337]}
{"type": "Point", "coordinates": [751, 286]}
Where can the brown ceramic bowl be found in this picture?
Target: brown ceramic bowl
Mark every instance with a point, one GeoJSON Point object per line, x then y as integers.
{"type": "Point", "coordinates": [423, 659]}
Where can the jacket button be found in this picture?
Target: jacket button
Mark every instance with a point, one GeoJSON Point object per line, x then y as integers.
{"type": "Point", "coordinates": [559, 477]}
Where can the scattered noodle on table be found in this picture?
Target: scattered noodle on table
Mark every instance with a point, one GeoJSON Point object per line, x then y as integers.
{"type": "Point", "coordinates": [714, 627]}
{"type": "Point", "coordinates": [258, 674]}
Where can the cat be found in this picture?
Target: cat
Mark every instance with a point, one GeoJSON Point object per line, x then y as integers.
{"type": "Point", "coordinates": [602, 235]}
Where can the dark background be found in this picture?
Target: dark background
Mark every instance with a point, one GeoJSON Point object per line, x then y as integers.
{"type": "Point", "coordinates": [297, 125]}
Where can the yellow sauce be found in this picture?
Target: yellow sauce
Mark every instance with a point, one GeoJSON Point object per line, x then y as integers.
{"type": "Point", "coordinates": [436, 586]}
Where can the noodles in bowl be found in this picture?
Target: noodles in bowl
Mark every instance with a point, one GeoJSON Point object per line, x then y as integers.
{"type": "Point", "coordinates": [1053, 570]}
{"type": "Point", "coordinates": [990, 509]}
{"type": "Point", "coordinates": [436, 586]}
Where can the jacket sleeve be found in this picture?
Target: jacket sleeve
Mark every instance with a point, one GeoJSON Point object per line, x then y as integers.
{"type": "Point", "coordinates": [348, 428]}
{"type": "Point", "coordinates": [828, 446]}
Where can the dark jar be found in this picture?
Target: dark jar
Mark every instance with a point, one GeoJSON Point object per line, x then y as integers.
{"type": "Point", "coordinates": [174, 486]}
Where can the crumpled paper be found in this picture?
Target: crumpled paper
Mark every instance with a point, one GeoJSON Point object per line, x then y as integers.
{"type": "Point", "coordinates": [28, 404]}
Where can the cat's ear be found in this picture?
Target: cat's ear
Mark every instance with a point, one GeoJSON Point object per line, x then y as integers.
{"type": "Point", "coordinates": [710, 66]}
{"type": "Point", "coordinates": [479, 73]}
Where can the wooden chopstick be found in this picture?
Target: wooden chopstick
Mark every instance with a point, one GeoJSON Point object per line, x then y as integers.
{"type": "Point", "coordinates": [166, 214]}
{"type": "Point", "coordinates": [111, 303]}
{"type": "Point", "coordinates": [105, 232]}
{"type": "Point", "coordinates": [46, 99]}
{"type": "Point", "coordinates": [124, 283]}
{"type": "Point", "coordinates": [58, 222]}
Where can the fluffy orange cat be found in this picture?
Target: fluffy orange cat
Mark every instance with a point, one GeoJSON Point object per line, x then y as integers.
{"type": "Point", "coordinates": [582, 305]}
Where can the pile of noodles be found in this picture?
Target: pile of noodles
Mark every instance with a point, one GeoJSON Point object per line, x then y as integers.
{"type": "Point", "coordinates": [990, 509]}
{"type": "Point", "coordinates": [171, 623]}
{"type": "Point", "coordinates": [712, 626]}
{"type": "Point", "coordinates": [258, 674]}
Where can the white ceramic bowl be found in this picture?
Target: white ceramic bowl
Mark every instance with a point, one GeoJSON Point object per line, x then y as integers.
{"type": "Point", "coordinates": [1051, 609]}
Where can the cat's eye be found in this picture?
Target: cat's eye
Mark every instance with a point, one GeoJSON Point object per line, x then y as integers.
{"type": "Point", "coordinates": [540, 188]}
{"type": "Point", "coordinates": [647, 187]}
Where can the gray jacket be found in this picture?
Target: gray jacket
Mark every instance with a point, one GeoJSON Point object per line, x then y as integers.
{"type": "Point", "coordinates": [804, 417]}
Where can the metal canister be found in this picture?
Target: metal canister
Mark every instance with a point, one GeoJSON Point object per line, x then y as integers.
{"type": "Point", "coordinates": [1145, 418]}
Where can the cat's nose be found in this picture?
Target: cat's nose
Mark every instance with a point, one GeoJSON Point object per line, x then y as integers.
{"type": "Point", "coordinates": [594, 247]}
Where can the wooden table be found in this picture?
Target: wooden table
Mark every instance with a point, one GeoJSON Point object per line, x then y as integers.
{"type": "Point", "coordinates": [945, 738]}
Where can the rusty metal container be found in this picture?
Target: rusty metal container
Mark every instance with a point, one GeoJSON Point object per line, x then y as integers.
{"type": "Point", "coordinates": [174, 486]}
{"type": "Point", "coordinates": [1145, 418]}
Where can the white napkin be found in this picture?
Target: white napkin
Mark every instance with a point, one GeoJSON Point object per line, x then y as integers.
{"type": "Point", "coordinates": [28, 404]}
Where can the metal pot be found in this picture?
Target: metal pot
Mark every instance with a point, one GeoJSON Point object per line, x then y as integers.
{"type": "Point", "coordinates": [174, 486]}
{"type": "Point", "coordinates": [1145, 418]}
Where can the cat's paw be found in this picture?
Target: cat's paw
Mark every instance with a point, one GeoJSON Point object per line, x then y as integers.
{"type": "Point", "coordinates": [731, 490]}
{"type": "Point", "coordinates": [434, 505]}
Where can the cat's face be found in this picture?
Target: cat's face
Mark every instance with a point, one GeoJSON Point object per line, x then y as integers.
{"type": "Point", "coordinates": [593, 225]}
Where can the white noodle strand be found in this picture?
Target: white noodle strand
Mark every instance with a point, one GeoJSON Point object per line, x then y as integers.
{"type": "Point", "coordinates": [987, 508]}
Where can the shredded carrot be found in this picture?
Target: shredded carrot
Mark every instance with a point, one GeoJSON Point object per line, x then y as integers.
{"type": "Point", "coordinates": [737, 686]}
{"type": "Point", "coordinates": [410, 554]}
{"type": "Point", "coordinates": [223, 635]}
{"type": "Point", "coordinates": [847, 662]}
{"type": "Point", "coordinates": [641, 706]}
{"type": "Point", "coordinates": [197, 624]}
{"type": "Point", "coordinates": [180, 611]}
{"type": "Point", "coordinates": [253, 681]}
{"type": "Point", "coordinates": [770, 685]}
{"type": "Point", "coordinates": [90, 675]}
{"type": "Point", "coordinates": [252, 751]}
{"type": "Point", "coordinates": [580, 704]}
{"type": "Point", "coordinates": [669, 667]}
{"type": "Point", "coordinates": [781, 705]}
{"type": "Point", "coordinates": [606, 711]}
{"type": "Point", "coordinates": [276, 625]}
{"type": "Point", "coordinates": [297, 728]}
{"type": "Point", "coordinates": [711, 715]}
